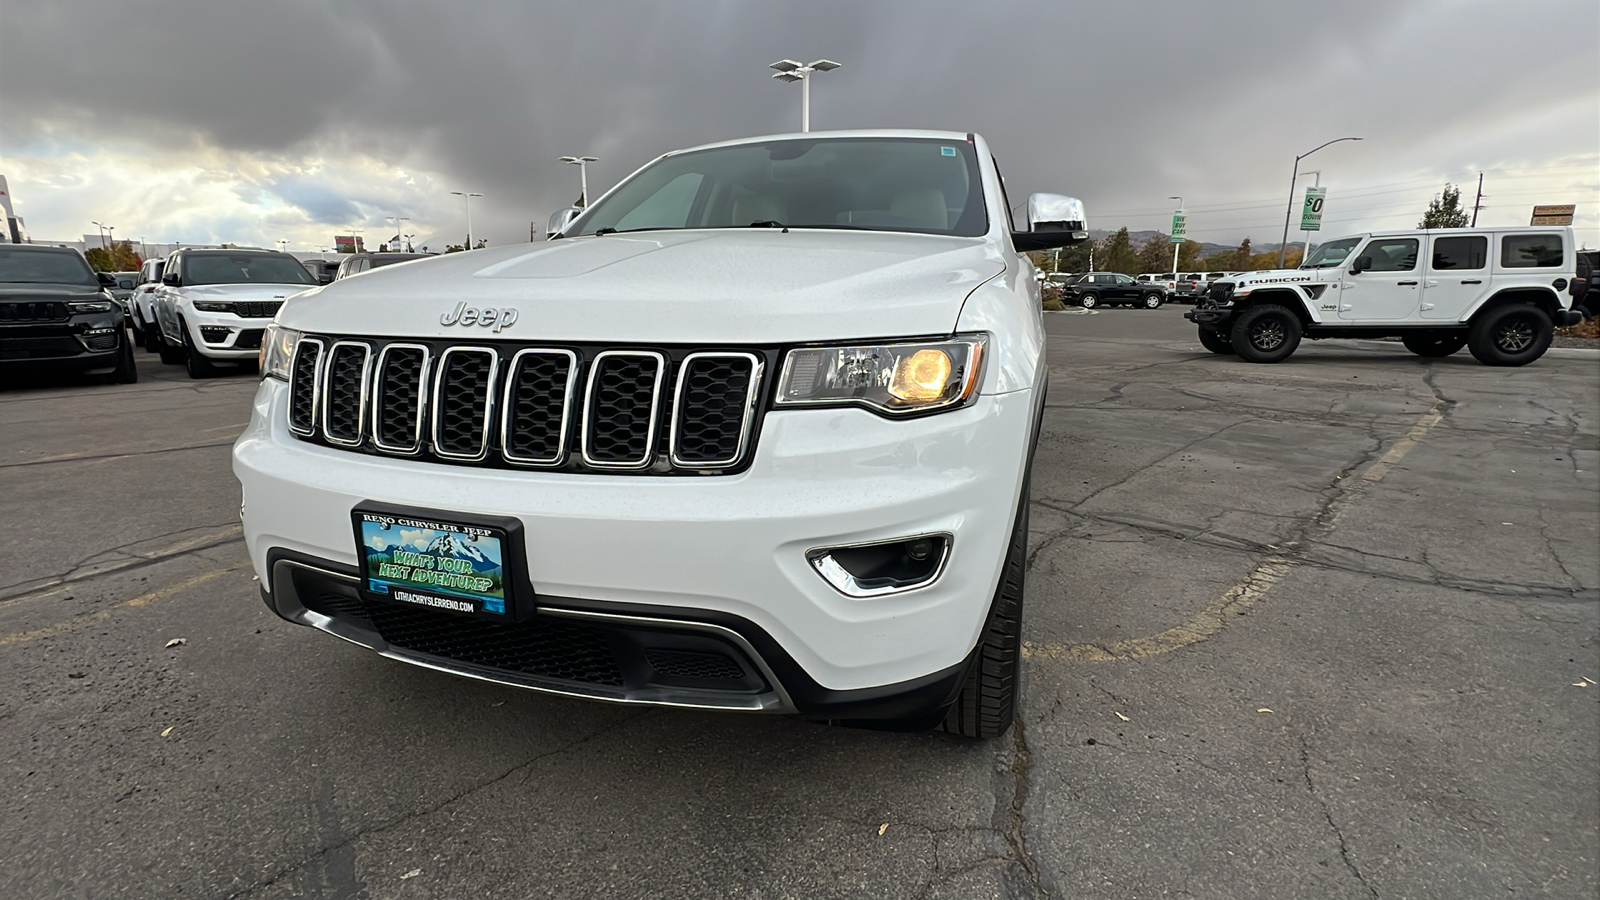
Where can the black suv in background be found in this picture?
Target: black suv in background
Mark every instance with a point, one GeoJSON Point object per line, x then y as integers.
{"type": "Point", "coordinates": [1093, 289]}
{"type": "Point", "coordinates": [54, 309]}
{"type": "Point", "coordinates": [362, 262]}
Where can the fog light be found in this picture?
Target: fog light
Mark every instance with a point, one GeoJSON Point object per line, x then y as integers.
{"type": "Point", "coordinates": [882, 567]}
{"type": "Point", "coordinates": [214, 334]}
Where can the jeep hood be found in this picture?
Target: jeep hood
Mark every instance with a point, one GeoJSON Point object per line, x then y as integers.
{"type": "Point", "coordinates": [26, 291]}
{"type": "Point", "coordinates": [252, 291]}
{"type": "Point", "coordinates": [761, 286]}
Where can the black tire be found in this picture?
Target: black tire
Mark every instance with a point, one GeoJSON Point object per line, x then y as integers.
{"type": "Point", "coordinates": [1511, 335]}
{"type": "Point", "coordinates": [1151, 301]}
{"type": "Point", "coordinates": [170, 355]}
{"type": "Point", "coordinates": [1216, 341]}
{"type": "Point", "coordinates": [1089, 301]}
{"type": "Point", "coordinates": [987, 701]}
{"type": "Point", "coordinates": [127, 370]}
{"type": "Point", "coordinates": [152, 337]}
{"type": "Point", "coordinates": [1265, 334]}
{"type": "Point", "coordinates": [1433, 344]}
{"type": "Point", "coordinates": [196, 365]}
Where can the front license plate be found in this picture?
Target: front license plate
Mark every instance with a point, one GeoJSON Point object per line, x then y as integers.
{"type": "Point", "coordinates": [436, 563]}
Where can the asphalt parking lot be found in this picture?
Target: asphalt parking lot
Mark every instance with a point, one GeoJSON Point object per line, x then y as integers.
{"type": "Point", "coordinates": [1321, 629]}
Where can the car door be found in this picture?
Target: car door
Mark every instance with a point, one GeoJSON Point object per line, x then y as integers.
{"type": "Point", "coordinates": [165, 299]}
{"type": "Point", "coordinates": [1127, 289]}
{"type": "Point", "coordinates": [1389, 286]}
{"type": "Point", "coordinates": [1457, 274]}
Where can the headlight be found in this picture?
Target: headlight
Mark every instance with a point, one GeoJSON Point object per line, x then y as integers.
{"type": "Point", "coordinates": [277, 351]}
{"type": "Point", "coordinates": [90, 306]}
{"type": "Point", "coordinates": [213, 305]}
{"type": "Point", "coordinates": [897, 379]}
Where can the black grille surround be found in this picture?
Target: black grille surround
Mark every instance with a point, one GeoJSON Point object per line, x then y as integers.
{"type": "Point", "coordinates": [599, 409]}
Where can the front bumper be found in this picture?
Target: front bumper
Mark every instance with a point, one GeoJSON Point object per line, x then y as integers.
{"type": "Point", "coordinates": [730, 548]}
{"type": "Point", "coordinates": [225, 335]}
{"type": "Point", "coordinates": [88, 342]}
{"type": "Point", "coordinates": [1210, 316]}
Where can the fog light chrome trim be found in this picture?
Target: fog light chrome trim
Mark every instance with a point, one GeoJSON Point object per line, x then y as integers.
{"type": "Point", "coordinates": [840, 579]}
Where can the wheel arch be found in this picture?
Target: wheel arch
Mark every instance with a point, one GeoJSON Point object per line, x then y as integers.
{"type": "Point", "coordinates": [1544, 298]}
{"type": "Point", "coordinates": [1281, 297]}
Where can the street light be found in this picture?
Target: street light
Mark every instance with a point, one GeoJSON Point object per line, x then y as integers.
{"type": "Point", "coordinates": [582, 162]}
{"type": "Point", "coordinates": [792, 70]}
{"type": "Point", "coordinates": [102, 232]}
{"type": "Point", "coordinates": [283, 245]}
{"type": "Point", "coordinates": [398, 227]}
{"type": "Point", "coordinates": [1283, 248]}
{"type": "Point", "coordinates": [467, 196]}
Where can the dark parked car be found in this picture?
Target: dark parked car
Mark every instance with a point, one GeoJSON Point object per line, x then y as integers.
{"type": "Point", "coordinates": [323, 270]}
{"type": "Point", "coordinates": [54, 309]}
{"type": "Point", "coordinates": [1093, 289]}
{"type": "Point", "coordinates": [1586, 287]}
{"type": "Point", "coordinates": [357, 263]}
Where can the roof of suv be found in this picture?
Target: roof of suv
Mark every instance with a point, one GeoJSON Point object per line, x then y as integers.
{"type": "Point", "coordinates": [826, 135]}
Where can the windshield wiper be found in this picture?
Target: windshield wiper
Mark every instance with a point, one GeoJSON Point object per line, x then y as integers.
{"type": "Point", "coordinates": [768, 223]}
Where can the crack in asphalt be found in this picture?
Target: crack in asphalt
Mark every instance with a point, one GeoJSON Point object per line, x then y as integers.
{"type": "Point", "coordinates": [1021, 769]}
{"type": "Point", "coordinates": [342, 844]}
{"type": "Point", "coordinates": [131, 560]}
{"type": "Point", "coordinates": [1327, 814]}
{"type": "Point", "coordinates": [91, 457]}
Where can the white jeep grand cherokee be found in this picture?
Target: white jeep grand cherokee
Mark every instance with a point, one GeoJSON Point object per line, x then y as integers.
{"type": "Point", "coordinates": [214, 305]}
{"type": "Point", "coordinates": [753, 432]}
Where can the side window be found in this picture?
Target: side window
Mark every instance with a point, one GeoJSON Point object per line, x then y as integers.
{"type": "Point", "coordinates": [1450, 253]}
{"type": "Point", "coordinates": [1530, 251]}
{"type": "Point", "coordinates": [670, 206]}
{"type": "Point", "coordinates": [1123, 279]}
{"type": "Point", "coordinates": [1392, 254]}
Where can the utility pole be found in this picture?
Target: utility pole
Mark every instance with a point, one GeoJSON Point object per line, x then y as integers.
{"type": "Point", "coordinates": [1477, 202]}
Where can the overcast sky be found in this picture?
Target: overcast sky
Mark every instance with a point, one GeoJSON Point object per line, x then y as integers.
{"type": "Point", "coordinates": [254, 122]}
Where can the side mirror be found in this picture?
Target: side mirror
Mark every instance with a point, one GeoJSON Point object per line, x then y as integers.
{"type": "Point", "coordinates": [325, 278]}
{"type": "Point", "coordinates": [170, 280]}
{"type": "Point", "coordinates": [106, 279]}
{"type": "Point", "coordinates": [1053, 221]}
{"type": "Point", "coordinates": [560, 219]}
{"type": "Point", "coordinates": [1363, 263]}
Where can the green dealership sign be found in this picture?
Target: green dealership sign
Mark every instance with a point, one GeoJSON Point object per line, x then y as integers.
{"type": "Point", "coordinates": [1311, 214]}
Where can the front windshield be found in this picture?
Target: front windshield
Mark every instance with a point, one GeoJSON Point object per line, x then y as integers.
{"type": "Point", "coordinates": [1331, 254]}
{"type": "Point", "coordinates": [928, 186]}
{"type": "Point", "coordinates": [244, 268]}
{"type": "Point", "coordinates": [45, 267]}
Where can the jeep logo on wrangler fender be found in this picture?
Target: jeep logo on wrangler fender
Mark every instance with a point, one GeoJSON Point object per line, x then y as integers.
{"type": "Point", "coordinates": [463, 314]}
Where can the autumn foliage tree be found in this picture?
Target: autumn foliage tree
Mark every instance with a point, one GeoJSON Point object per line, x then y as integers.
{"type": "Point", "coordinates": [120, 257]}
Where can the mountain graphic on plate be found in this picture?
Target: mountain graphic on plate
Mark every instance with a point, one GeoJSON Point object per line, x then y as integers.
{"type": "Point", "coordinates": [450, 545]}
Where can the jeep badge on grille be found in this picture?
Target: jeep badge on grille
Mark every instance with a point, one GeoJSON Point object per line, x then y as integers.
{"type": "Point", "coordinates": [463, 314]}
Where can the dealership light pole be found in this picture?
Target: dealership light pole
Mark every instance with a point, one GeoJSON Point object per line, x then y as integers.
{"type": "Point", "coordinates": [582, 162]}
{"type": "Point", "coordinates": [102, 233]}
{"type": "Point", "coordinates": [793, 70]}
{"type": "Point", "coordinates": [1283, 248]}
{"type": "Point", "coordinates": [1176, 244]}
{"type": "Point", "coordinates": [398, 228]}
{"type": "Point", "coordinates": [467, 196]}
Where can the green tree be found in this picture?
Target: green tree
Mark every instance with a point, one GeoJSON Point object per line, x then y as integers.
{"type": "Point", "coordinates": [119, 258]}
{"type": "Point", "coordinates": [1241, 256]}
{"type": "Point", "coordinates": [1116, 254]}
{"type": "Point", "coordinates": [1188, 256]}
{"type": "Point", "coordinates": [1155, 254]}
{"type": "Point", "coordinates": [1445, 211]}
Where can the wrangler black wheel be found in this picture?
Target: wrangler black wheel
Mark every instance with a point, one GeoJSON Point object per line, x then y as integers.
{"type": "Point", "coordinates": [1512, 335]}
{"type": "Point", "coordinates": [1265, 334]}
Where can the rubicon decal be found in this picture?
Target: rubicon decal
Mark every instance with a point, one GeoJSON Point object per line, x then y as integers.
{"type": "Point", "coordinates": [499, 319]}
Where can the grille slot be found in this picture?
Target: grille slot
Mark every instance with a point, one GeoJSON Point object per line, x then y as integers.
{"type": "Point", "coordinates": [100, 341]}
{"type": "Point", "coordinates": [249, 339]}
{"type": "Point", "coordinates": [399, 389]}
{"type": "Point", "coordinates": [537, 406]}
{"type": "Point", "coordinates": [713, 408]}
{"type": "Point", "coordinates": [344, 395]}
{"type": "Point", "coordinates": [546, 648]}
{"type": "Point", "coordinates": [693, 664]}
{"type": "Point", "coordinates": [305, 386]}
{"type": "Point", "coordinates": [41, 311]}
{"type": "Point", "coordinates": [620, 408]}
{"type": "Point", "coordinates": [463, 393]}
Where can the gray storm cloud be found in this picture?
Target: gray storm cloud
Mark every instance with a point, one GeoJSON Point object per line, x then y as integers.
{"type": "Point", "coordinates": [1122, 103]}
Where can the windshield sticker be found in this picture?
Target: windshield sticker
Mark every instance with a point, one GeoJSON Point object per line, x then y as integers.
{"type": "Point", "coordinates": [947, 151]}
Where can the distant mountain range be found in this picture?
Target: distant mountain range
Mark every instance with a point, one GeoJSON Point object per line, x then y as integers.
{"type": "Point", "coordinates": [1206, 248]}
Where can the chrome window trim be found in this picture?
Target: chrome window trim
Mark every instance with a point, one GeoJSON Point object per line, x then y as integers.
{"type": "Point", "coordinates": [838, 578]}
{"type": "Point", "coordinates": [655, 410]}
{"type": "Point", "coordinates": [507, 409]}
{"type": "Point", "coordinates": [488, 403]}
{"type": "Point", "coordinates": [751, 400]}
{"type": "Point", "coordinates": [423, 396]}
{"type": "Point", "coordinates": [316, 383]}
{"type": "Point", "coordinates": [363, 398]}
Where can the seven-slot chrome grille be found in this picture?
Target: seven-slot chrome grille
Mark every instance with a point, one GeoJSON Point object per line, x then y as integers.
{"type": "Point", "coordinates": [572, 408]}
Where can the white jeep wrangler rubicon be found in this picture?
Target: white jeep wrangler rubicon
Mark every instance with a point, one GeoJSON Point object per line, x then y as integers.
{"type": "Point", "coordinates": [1498, 291]}
{"type": "Point", "coordinates": [752, 432]}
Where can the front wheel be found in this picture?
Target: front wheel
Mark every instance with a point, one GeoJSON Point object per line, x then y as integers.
{"type": "Point", "coordinates": [196, 365]}
{"type": "Point", "coordinates": [127, 370]}
{"type": "Point", "coordinates": [1265, 334]}
{"type": "Point", "coordinates": [1090, 301]}
{"type": "Point", "coordinates": [1215, 341]}
{"type": "Point", "coordinates": [1512, 335]}
{"type": "Point", "coordinates": [1433, 344]}
{"type": "Point", "coordinates": [1152, 301]}
{"type": "Point", "coordinates": [988, 699]}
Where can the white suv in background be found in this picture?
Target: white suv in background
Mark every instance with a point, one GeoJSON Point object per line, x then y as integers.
{"type": "Point", "coordinates": [214, 305]}
{"type": "Point", "coordinates": [1500, 292]}
{"type": "Point", "coordinates": [752, 432]}
{"type": "Point", "coordinates": [142, 304]}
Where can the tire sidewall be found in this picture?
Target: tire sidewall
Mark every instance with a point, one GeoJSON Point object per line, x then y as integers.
{"type": "Point", "coordinates": [1089, 301]}
{"type": "Point", "coordinates": [1240, 334]}
{"type": "Point", "coordinates": [1481, 340]}
{"type": "Point", "coordinates": [1152, 301]}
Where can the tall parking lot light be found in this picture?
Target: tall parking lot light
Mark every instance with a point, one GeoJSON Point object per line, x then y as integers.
{"type": "Point", "coordinates": [1283, 248]}
{"type": "Point", "coordinates": [793, 70]}
{"type": "Point", "coordinates": [467, 196]}
{"type": "Point", "coordinates": [582, 162]}
{"type": "Point", "coordinates": [1176, 244]}
{"type": "Point", "coordinates": [102, 228]}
